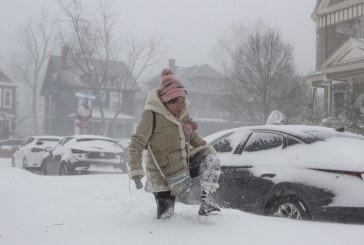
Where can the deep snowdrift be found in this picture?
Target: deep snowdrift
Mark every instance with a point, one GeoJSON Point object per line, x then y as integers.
{"type": "Point", "coordinates": [100, 209]}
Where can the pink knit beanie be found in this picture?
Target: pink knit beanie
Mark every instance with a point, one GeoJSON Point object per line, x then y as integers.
{"type": "Point", "coordinates": [170, 86]}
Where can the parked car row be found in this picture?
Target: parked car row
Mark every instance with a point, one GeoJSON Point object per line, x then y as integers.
{"type": "Point", "coordinates": [299, 172]}
{"type": "Point", "coordinates": [69, 155]}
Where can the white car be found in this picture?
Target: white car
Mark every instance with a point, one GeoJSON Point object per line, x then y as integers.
{"type": "Point", "coordinates": [292, 171]}
{"type": "Point", "coordinates": [30, 155]}
{"type": "Point", "coordinates": [82, 153]}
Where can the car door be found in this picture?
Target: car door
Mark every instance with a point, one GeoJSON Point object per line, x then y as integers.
{"type": "Point", "coordinates": [53, 161]}
{"type": "Point", "coordinates": [258, 174]}
{"type": "Point", "coordinates": [19, 155]}
{"type": "Point", "coordinates": [234, 187]}
{"type": "Point", "coordinates": [34, 154]}
{"type": "Point", "coordinates": [37, 152]}
{"type": "Point", "coordinates": [230, 192]}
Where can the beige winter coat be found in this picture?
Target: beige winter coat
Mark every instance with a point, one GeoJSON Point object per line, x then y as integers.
{"type": "Point", "coordinates": [168, 143]}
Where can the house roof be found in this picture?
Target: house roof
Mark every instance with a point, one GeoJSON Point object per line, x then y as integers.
{"type": "Point", "coordinates": [5, 78]}
{"type": "Point", "coordinates": [348, 59]}
{"type": "Point", "coordinates": [72, 72]}
{"type": "Point", "coordinates": [193, 78]}
{"type": "Point", "coordinates": [349, 53]}
{"type": "Point", "coordinates": [329, 6]}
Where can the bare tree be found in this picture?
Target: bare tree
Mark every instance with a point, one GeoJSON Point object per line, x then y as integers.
{"type": "Point", "coordinates": [263, 76]}
{"type": "Point", "coordinates": [36, 43]}
{"type": "Point", "coordinates": [99, 45]}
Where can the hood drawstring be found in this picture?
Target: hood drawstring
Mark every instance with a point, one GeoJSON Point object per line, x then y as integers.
{"type": "Point", "coordinates": [188, 150]}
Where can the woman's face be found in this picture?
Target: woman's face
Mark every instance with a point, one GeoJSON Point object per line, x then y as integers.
{"type": "Point", "coordinates": [176, 106]}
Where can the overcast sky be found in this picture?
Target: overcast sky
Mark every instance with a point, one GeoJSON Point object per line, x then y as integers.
{"type": "Point", "coordinates": [189, 28]}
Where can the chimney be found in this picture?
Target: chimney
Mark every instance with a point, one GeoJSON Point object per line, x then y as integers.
{"type": "Point", "coordinates": [172, 65]}
{"type": "Point", "coordinates": [64, 57]}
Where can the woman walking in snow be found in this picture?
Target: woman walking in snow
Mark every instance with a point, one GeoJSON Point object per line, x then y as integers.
{"type": "Point", "coordinates": [168, 131]}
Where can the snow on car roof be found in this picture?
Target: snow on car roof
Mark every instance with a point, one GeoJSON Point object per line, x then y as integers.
{"type": "Point", "coordinates": [338, 151]}
{"type": "Point", "coordinates": [298, 130]}
{"type": "Point", "coordinates": [47, 137]}
{"type": "Point", "coordinates": [96, 137]}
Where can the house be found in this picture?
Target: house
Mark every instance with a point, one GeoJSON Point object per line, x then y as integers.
{"type": "Point", "coordinates": [66, 77]}
{"type": "Point", "coordinates": [205, 87]}
{"type": "Point", "coordinates": [339, 74]}
{"type": "Point", "coordinates": [7, 106]}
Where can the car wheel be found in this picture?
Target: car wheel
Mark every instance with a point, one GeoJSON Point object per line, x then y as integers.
{"type": "Point", "coordinates": [25, 163]}
{"type": "Point", "coordinates": [290, 207]}
{"type": "Point", "coordinates": [64, 170]}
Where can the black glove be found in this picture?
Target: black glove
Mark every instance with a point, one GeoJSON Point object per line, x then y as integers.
{"type": "Point", "coordinates": [138, 183]}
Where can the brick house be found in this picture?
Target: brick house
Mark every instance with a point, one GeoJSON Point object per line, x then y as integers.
{"type": "Point", "coordinates": [65, 77]}
{"type": "Point", "coordinates": [339, 74]}
{"type": "Point", "coordinates": [7, 106]}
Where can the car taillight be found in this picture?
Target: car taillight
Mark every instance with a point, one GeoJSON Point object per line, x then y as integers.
{"type": "Point", "coordinates": [36, 149]}
{"type": "Point", "coordinates": [350, 173]}
{"type": "Point", "coordinates": [77, 151]}
{"type": "Point", "coordinates": [356, 174]}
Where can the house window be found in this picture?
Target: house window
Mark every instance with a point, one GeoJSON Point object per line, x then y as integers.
{"type": "Point", "coordinates": [7, 98]}
{"type": "Point", "coordinates": [339, 100]}
{"type": "Point", "coordinates": [51, 104]}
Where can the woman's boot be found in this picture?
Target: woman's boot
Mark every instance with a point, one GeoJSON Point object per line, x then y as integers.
{"type": "Point", "coordinates": [165, 204]}
{"type": "Point", "coordinates": [208, 205]}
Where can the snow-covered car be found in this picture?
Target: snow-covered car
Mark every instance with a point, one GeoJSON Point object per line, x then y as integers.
{"type": "Point", "coordinates": [30, 155]}
{"type": "Point", "coordinates": [299, 172]}
{"type": "Point", "coordinates": [9, 147]}
{"type": "Point", "coordinates": [79, 153]}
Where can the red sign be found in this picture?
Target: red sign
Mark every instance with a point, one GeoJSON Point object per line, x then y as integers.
{"type": "Point", "coordinates": [84, 113]}
{"type": "Point", "coordinates": [81, 124]}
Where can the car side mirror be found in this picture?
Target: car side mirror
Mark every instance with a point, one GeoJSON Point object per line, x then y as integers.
{"type": "Point", "coordinates": [49, 149]}
{"type": "Point", "coordinates": [16, 147]}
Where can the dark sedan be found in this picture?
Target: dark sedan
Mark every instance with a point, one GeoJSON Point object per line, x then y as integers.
{"type": "Point", "coordinates": [299, 172]}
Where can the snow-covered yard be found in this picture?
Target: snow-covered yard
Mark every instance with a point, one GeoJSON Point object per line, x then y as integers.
{"type": "Point", "coordinates": [100, 209]}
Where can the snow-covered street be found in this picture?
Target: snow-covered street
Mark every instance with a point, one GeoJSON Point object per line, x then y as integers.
{"type": "Point", "coordinates": [100, 209]}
